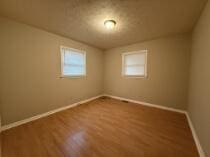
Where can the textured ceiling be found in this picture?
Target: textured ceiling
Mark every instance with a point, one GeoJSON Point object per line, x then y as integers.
{"type": "Point", "coordinates": [82, 20]}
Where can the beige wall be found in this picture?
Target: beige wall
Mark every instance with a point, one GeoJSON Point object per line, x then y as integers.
{"type": "Point", "coordinates": [199, 89]}
{"type": "Point", "coordinates": [30, 72]}
{"type": "Point", "coordinates": [168, 63]}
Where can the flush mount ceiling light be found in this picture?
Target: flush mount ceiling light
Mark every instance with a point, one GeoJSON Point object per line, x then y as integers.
{"type": "Point", "coordinates": [109, 24]}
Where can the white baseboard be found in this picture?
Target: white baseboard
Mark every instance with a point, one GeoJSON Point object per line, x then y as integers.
{"type": "Point", "coordinates": [195, 137]}
{"type": "Point", "coordinates": [15, 124]}
{"type": "Point", "coordinates": [197, 142]}
{"type": "Point", "coordinates": [0, 123]}
{"type": "Point", "coordinates": [147, 104]}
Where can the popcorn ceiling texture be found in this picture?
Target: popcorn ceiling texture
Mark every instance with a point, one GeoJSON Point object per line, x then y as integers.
{"type": "Point", "coordinates": [82, 20]}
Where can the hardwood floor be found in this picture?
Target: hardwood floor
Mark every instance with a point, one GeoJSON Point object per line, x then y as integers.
{"type": "Point", "coordinates": [103, 128]}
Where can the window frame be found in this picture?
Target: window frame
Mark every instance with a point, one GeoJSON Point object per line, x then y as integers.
{"type": "Point", "coordinates": [62, 62]}
{"type": "Point", "coordinates": [145, 65]}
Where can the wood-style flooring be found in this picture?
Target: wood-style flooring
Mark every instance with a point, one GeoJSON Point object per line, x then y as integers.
{"type": "Point", "coordinates": [103, 128]}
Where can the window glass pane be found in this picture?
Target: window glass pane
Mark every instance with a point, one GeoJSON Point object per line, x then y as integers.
{"type": "Point", "coordinates": [71, 57]}
{"type": "Point", "coordinates": [135, 70]}
{"type": "Point", "coordinates": [74, 70]}
{"type": "Point", "coordinates": [73, 62]}
{"type": "Point", "coordinates": [135, 59]}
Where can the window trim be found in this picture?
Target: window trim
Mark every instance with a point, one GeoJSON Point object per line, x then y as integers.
{"type": "Point", "coordinates": [62, 62]}
{"type": "Point", "coordinates": [145, 68]}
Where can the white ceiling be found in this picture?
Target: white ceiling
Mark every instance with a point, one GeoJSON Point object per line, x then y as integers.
{"type": "Point", "coordinates": [83, 20]}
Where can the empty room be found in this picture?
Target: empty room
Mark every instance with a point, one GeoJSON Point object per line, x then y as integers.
{"type": "Point", "coordinates": [104, 78]}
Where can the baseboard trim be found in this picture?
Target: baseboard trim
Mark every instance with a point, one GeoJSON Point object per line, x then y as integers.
{"type": "Point", "coordinates": [0, 128]}
{"type": "Point", "coordinates": [147, 104]}
{"type": "Point", "coordinates": [15, 124]}
{"type": "Point", "coordinates": [196, 139]}
{"type": "Point", "coordinates": [197, 142]}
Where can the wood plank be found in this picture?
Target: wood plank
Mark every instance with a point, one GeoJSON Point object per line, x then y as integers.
{"type": "Point", "coordinates": [106, 128]}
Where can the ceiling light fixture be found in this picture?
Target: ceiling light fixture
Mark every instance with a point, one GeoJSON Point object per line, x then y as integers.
{"type": "Point", "coordinates": [109, 24]}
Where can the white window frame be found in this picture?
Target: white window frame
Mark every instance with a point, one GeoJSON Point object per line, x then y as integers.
{"type": "Point", "coordinates": [123, 64]}
{"type": "Point", "coordinates": [62, 61]}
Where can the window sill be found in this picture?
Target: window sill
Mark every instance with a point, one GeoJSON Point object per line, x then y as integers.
{"type": "Point", "coordinates": [135, 76]}
{"type": "Point", "coordinates": [76, 76]}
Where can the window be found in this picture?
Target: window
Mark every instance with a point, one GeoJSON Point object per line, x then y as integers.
{"type": "Point", "coordinates": [134, 64]}
{"type": "Point", "coordinates": [73, 62]}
